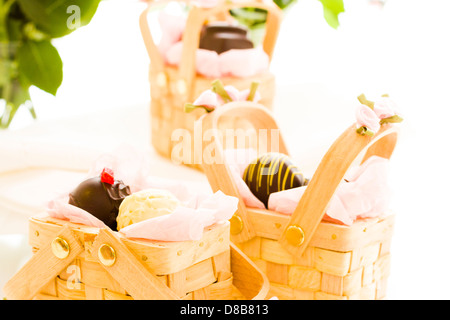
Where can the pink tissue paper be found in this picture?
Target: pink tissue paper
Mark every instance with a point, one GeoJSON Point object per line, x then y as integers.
{"type": "Point", "coordinates": [364, 192]}
{"type": "Point", "coordinates": [187, 222]}
{"type": "Point", "coordinates": [239, 63]}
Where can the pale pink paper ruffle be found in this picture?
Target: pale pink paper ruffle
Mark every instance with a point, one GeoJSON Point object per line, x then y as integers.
{"type": "Point", "coordinates": [207, 3]}
{"type": "Point", "coordinates": [185, 223]}
{"type": "Point", "coordinates": [237, 160]}
{"type": "Point", "coordinates": [198, 210]}
{"type": "Point", "coordinates": [128, 165]}
{"type": "Point", "coordinates": [365, 195]}
{"type": "Point", "coordinates": [59, 208]}
{"type": "Point", "coordinates": [212, 100]}
{"type": "Point", "coordinates": [241, 63]}
{"type": "Point", "coordinates": [172, 27]}
{"type": "Point", "coordinates": [206, 61]}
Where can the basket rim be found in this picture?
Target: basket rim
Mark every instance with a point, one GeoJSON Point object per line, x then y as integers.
{"type": "Point", "coordinates": [173, 256]}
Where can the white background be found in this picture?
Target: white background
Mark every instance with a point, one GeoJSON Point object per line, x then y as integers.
{"type": "Point", "coordinates": [402, 49]}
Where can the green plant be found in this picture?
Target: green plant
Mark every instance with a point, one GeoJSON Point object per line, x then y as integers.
{"type": "Point", "coordinates": [255, 18]}
{"type": "Point", "coordinates": [27, 56]}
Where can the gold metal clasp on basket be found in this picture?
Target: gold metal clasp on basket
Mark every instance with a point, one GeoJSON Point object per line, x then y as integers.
{"type": "Point", "coordinates": [295, 235]}
{"type": "Point", "coordinates": [236, 224]}
{"type": "Point", "coordinates": [107, 255]}
{"type": "Point", "coordinates": [60, 248]}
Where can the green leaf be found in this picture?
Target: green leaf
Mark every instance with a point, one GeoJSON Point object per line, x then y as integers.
{"type": "Point", "coordinates": [363, 100]}
{"type": "Point", "coordinates": [14, 28]}
{"type": "Point", "coordinates": [41, 65]}
{"type": "Point", "coordinates": [250, 17]}
{"type": "Point", "coordinates": [331, 11]}
{"type": "Point", "coordinates": [253, 89]}
{"type": "Point", "coordinates": [8, 115]}
{"type": "Point", "coordinates": [5, 66]}
{"type": "Point", "coordinates": [19, 94]}
{"type": "Point", "coordinates": [189, 107]}
{"type": "Point", "coordinates": [283, 4]}
{"type": "Point", "coordinates": [58, 18]}
{"type": "Point", "coordinates": [394, 119]}
{"type": "Point", "coordinates": [217, 87]}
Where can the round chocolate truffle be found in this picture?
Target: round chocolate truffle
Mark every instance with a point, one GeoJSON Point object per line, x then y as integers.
{"type": "Point", "coordinates": [100, 199]}
{"type": "Point", "coordinates": [272, 172]}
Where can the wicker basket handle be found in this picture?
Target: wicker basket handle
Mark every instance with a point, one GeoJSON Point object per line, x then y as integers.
{"type": "Point", "coordinates": [44, 266]}
{"type": "Point", "coordinates": [217, 171]}
{"type": "Point", "coordinates": [345, 151]}
{"type": "Point", "coordinates": [199, 16]}
{"type": "Point", "coordinates": [349, 147]}
{"type": "Point", "coordinates": [123, 265]}
{"type": "Point", "coordinates": [191, 37]}
{"type": "Point", "coordinates": [156, 60]}
{"type": "Point", "coordinates": [247, 277]}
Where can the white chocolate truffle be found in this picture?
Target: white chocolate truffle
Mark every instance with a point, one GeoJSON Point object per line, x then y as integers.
{"type": "Point", "coordinates": [145, 204]}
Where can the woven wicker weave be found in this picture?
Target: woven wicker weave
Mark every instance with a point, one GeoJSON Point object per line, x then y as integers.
{"type": "Point", "coordinates": [172, 87]}
{"type": "Point", "coordinates": [100, 264]}
{"type": "Point", "coordinates": [303, 256]}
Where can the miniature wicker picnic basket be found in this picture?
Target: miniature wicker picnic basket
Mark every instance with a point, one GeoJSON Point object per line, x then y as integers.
{"type": "Point", "coordinates": [172, 86]}
{"type": "Point", "coordinates": [76, 262]}
{"type": "Point", "coordinates": [303, 256]}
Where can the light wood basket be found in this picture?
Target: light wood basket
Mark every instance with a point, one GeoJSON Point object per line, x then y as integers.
{"type": "Point", "coordinates": [172, 87]}
{"type": "Point", "coordinates": [76, 262]}
{"type": "Point", "coordinates": [303, 256]}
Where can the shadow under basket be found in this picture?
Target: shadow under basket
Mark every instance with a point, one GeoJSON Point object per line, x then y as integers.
{"type": "Point", "coordinates": [76, 262]}
{"type": "Point", "coordinates": [171, 87]}
{"type": "Point", "coordinates": [303, 256]}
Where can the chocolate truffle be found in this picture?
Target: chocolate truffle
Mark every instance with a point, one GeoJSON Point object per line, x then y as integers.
{"type": "Point", "coordinates": [221, 37]}
{"type": "Point", "coordinates": [101, 199]}
{"type": "Point", "coordinates": [272, 172]}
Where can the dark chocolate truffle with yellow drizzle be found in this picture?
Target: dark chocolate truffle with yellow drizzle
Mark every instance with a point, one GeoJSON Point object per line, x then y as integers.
{"type": "Point", "coordinates": [272, 172]}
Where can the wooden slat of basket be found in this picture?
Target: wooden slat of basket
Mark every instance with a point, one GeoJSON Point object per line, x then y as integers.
{"type": "Point", "coordinates": [334, 165]}
{"type": "Point", "coordinates": [266, 87]}
{"type": "Point", "coordinates": [172, 87]}
{"type": "Point", "coordinates": [94, 293]}
{"type": "Point", "coordinates": [111, 295]}
{"type": "Point", "coordinates": [307, 217]}
{"type": "Point", "coordinates": [198, 16]}
{"type": "Point", "coordinates": [270, 224]}
{"type": "Point", "coordinates": [94, 275]}
{"type": "Point", "coordinates": [169, 257]}
{"type": "Point", "coordinates": [42, 268]}
{"type": "Point", "coordinates": [43, 296]}
{"type": "Point", "coordinates": [200, 275]}
{"type": "Point", "coordinates": [360, 274]}
{"type": "Point", "coordinates": [342, 285]}
{"type": "Point", "coordinates": [50, 288]}
{"type": "Point", "coordinates": [163, 257]}
{"type": "Point", "coordinates": [68, 291]}
{"type": "Point", "coordinates": [138, 281]}
{"type": "Point", "coordinates": [221, 290]}
{"type": "Point", "coordinates": [246, 276]}
{"type": "Point", "coordinates": [352, 282]}
{"type": "Point", "coordinates": [101, 282]}
{"type": "Point", "coordinates": [304, 278]}
{"type": "Point", "coordinates": [217, 170]}
{"type": "Point", "coordinates": [42, 227]}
